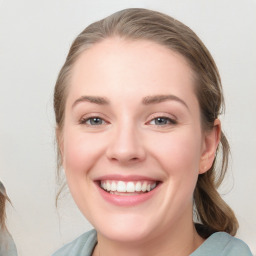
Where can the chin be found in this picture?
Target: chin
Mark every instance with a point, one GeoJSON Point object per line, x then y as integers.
{"type": "Point", "coordinates": [129, 235]}
{"type": "Point", "coordinates": [128, 228]}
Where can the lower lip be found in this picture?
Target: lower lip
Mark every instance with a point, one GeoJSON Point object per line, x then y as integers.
{"type": "Point", "coordinates": [127, 200]}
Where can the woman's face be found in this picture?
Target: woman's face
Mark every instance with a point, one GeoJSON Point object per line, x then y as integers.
{"type": "Point", "coordinates": [132, 143]}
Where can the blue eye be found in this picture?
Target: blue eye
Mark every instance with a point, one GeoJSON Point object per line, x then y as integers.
{"type": "Point", "coordinates": [93, 121]}
{"type": "Point", "coordinates": [162, 121]}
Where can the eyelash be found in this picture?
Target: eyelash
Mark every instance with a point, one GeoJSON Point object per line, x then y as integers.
{"type": "Point", "coordinates": [93, 118]}
{"type": "Point", "coordinates": [100, 121]}
{"type": "Point", "coordinates": [167, 121]}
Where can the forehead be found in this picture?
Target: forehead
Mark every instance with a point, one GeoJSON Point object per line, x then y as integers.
{"type": "Point", "coordinates": [113, 48]}
{"type": "Point", "coordinates": [120, 64]}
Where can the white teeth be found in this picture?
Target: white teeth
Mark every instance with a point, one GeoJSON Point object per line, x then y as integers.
{"type": "Point", "coordinates": [108, 186]}
{"type": "Point", "coordinates": [144, 187]}
{"type": "Point", "coordinates": [121, 187]}
{"type": "Point", "coordinates": [138, 186]}
{"type": "Point", "coordinates": [130, 186]}
{"type": "Point", "coordinates": [113, 186]}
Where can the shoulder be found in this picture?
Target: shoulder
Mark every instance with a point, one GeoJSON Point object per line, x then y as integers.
{"type": "Point", "coordinates": [233, 245]}
{"type": "Point", "coordinates": [83, 245]}
{"type": "Point", "coordinates": [7, 245]}
{"type": "Point", "coordinates": [223, 244]}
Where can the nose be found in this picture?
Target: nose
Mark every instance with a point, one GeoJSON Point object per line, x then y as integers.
{"type": "Point", "coordinates": [126, 146]}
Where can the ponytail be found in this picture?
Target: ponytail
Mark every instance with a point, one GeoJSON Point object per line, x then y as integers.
{"type": "Point", "coordinates": [211, 209]}
{"type": "Point", "coordinates": [3, 199]}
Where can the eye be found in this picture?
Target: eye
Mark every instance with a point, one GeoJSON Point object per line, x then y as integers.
{"type": "Point", "coordinates": [93, 121]}
{"type": "Point", "coordinates": [161, 121]}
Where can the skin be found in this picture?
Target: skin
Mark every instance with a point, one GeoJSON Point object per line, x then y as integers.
{"type": "Point", "coordinates": [129, 140]}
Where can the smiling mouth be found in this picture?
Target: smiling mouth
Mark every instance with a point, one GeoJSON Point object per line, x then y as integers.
{"type": "Point", "coordinates": [127, 188]}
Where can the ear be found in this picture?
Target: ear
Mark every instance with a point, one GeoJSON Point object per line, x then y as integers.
{"type": "Point", "coordinates": [210, 144]}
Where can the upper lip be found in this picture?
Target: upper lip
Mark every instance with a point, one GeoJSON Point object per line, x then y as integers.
{"type": "Point", "coordinates": [119, 177]}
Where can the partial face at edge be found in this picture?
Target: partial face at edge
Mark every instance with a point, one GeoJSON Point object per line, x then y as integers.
{"type": "Point", "coordinates": [132, 116]}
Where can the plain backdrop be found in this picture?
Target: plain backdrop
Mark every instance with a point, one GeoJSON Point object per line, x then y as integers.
{"type": "Point", "coordinates": [34, 39]}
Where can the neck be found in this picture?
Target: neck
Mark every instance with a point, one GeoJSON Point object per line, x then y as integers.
{"type": "Point", "coordinates": [181, 241]}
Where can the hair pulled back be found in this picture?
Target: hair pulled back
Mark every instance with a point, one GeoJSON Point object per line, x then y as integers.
{"type": "Point", "coordinates": [142, 24]}
{"type": "Point", "coordinates": [3, 199]}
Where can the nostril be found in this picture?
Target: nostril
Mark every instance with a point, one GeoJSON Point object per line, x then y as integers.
{"type": "Point", "coordinates": [116, 159]}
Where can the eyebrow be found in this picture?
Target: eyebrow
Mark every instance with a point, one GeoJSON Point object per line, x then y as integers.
{"type": "Point", "coordinates": [155, 99]}
{"type": "Point", "coordinates": [161, 98]}
{"type": "Point", "coordinates": [91, 99]}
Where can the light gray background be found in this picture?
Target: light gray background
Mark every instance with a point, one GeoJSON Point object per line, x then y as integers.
{"type": "Point", "coordinates": [34, 39]}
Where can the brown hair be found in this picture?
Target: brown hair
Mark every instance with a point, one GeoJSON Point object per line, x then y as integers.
{"type": "Point", "coordinates": [3, 199]}
{"type": "Point", "coordinates": [142, 24]}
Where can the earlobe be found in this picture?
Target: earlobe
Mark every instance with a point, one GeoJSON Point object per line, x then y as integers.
{"type": "Point", "coordinates": [210, 145]}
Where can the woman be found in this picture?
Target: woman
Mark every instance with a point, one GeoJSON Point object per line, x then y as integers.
{"type": "Point", "coordinates": [137, 104]}
{"type": "Point", "coordinates": [7, 246]}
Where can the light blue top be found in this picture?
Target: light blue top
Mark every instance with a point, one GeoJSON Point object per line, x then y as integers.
{"type": "Point", "coordinates": [218, 244]}
{"type": "Point", "coordinates": [7, 246]}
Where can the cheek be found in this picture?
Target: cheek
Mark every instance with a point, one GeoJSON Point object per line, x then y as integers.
{"type": "Point", "coordinates": [80, 152]}
{"type": "Point", "coordinates": [179, 156]}
{"type": "Point", "coordinates": [178, 153]}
